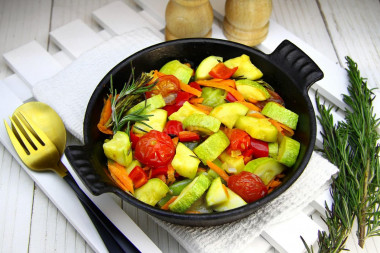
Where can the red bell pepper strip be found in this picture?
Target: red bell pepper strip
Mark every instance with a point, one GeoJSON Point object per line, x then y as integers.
{"type": "Point", "coordinates": [231, 98]}
{"type": "Point", "coordinates": [173, 127]}
{"type": "Point", "coordinates": [182, 97]}
{"type": "Point", "coordinates": [138, 176]}
{"type": "Point", "coordinates": [185, 136]}
{"type": "Point", "coordinates": [222, 71]}
{"type": "Point", "coordinates": [195, 85]}
{"type": "Point", "coordinates": [258, 148]}
{"type": "Point", "coordinates": [171, 109]}
{"type": "Point", "coordinates": [159, 171]}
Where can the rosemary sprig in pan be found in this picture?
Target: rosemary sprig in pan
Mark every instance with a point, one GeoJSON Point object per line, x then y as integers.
{"type": "Point", "coordinates": [352, 146]}
{"type": "Point", "coordinates": [132, 93]}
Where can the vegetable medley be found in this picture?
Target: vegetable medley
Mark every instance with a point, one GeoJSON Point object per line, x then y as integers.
{"type": "Point", "coordinates": [198, 140]}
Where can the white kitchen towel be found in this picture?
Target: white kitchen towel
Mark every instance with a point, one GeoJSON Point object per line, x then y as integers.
{"type": "Point", "coordinates": [68, 93]}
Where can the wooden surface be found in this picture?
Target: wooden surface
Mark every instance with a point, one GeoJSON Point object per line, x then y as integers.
{"type": "Point", "coordinates": [29, 221]}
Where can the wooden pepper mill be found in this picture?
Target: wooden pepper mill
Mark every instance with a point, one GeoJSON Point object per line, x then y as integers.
{"type": "Point", "coordinates": [247, 21]}
{"type": "Point", "coordinates": [188, 19]}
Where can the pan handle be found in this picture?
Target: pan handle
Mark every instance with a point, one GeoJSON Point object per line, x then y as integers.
{"type": "Point", "coordinates": [302, 69]}
{"type": "Point", "coordinates": [78, 158]}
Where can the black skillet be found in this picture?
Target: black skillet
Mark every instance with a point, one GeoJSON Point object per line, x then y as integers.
{"type": "Point", "coordinates": [288, 70]}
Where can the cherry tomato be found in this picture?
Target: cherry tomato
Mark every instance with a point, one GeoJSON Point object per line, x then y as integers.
{"type": "Point", "coordinates": [239, 139]}
{"type": "Point", "coordinates": [167, 86]}
{"type": "Point", "coordinates": [134, 139]}
{"type": "Point", "coordinates": [173, 127]}
{"type": "Point", "coordinates": [248, 186]}
{"type": "Point", "coordinates": [155, 149]}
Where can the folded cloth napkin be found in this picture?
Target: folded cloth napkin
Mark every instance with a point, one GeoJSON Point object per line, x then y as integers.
{"type": "Point", "coordinates": [68, 93]}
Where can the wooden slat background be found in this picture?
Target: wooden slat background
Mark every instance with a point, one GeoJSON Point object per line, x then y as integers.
{"type": "Point", "coordinates": [32, 223]}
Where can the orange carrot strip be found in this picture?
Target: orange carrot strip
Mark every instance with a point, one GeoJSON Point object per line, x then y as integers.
{"type": "Point", "coordinates": [252, 100]}
{"type": "Point", "coordinates": [225, 190]}
{"type": "Point", "coordinates": [218, 170]}
{"type": "Point", "coordinates": [162, 177]}
{"type": "Point", "coordinates": [166, 205]}
{"type": "Point", "coordinates": [189, 89]}
{"type": "Point", "coordinates": [204, 108]}
{"type": "Point", "coordinates": [105, 116]}
{"type": "Point", "coordinates": [222, 85]}
{"type": "Point", "coordinates": [273, 183]}
{"type": "Point", "coordinates": [171, 176]}
{"type": "Point", "coordinates": [121, 174]}
{"type": "Point", "coordinates": [285, 130]}
{"type": "Point", "coordinates": [175, 141]}
{"type": "Point", "coordinates": [118, 182]}
{"type": "Point", "coordinates": [250, 105]}
{"type": "Point", "coordinates": [196, 100]}
{"type": "Point", "coordinates": [276, 124]}
{"type": "Point", "coordinates": [256, 115]}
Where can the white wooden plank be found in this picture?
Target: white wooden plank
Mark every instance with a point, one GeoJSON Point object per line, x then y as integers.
{"type": "Point", "coordinates": [18, 87]}
{"type": "Point", "coordinates": [62, 58]}
{"type": "Point", "coordinates": [323, 200]}
{"type": "Point", "coordinates": [259, 245]}
{"type": "Point", "coordinates": [287, 240]}
{"type": "Point", "coordinates": [119, 18]}
{"type": "Point", "coordinates": [155, 8]}
{"type": "Point", "coordinates": [75, 38]}
{"type": "Point", "coordinates": [32, 63]}
{"type": "Point", "coordinates": [20, 22]}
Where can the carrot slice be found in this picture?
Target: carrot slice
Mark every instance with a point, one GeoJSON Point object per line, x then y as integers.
{"type": "Point", "coordinates": [218, 170]}
{"type": "Point", "coordinates": [166, 205]}
{"type": "Point", "coordinates": [284, 130]}
{"type": "Point", "coordinates": [175, 141]}
{"type": "Point", "coordinates": [196, 100]}
{"type": "Point", "coordinates": [252, 100]}
{"type": "Point", "coordinates": [189, 89]}
{"type": "Point", "coordinates": [171, 176]}
{"type": "Point", "coordinates": [222, 84]}
{"type": "Point", "coordinates": [121, 174]}
{"type": "Point", "coordinates": [105, 116]}
{"type": "Point", "coordinates": [204, 108]}
{"type": "Point", "coordinates": [250, 105]}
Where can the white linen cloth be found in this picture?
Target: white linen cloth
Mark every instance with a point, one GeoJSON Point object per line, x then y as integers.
{"type": "Point", "coordinates": [68, 93]}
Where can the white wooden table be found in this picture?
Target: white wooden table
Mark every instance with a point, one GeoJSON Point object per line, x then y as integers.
{"type": "Point", "coordinates": [30, 221]}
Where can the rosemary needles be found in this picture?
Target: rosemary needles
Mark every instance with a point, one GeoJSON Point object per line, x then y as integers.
{"type": "Point", "coordinates": [132, 93]}
{"type": "Point", "coordinates": [352, 146]}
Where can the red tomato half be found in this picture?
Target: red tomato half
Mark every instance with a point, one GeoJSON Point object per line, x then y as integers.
{"type": "Point", "coordinates": [155, 149]}
{"type": "Point", "coordinates": [248, 186]}
{"type": "Point", "coordinates": [239, 139]}
{"type": "Point", "coordinates": [167, 86]}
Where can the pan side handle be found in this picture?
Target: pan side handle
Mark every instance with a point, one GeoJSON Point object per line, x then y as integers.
{"type": "Point", "coordinates": [297, 64]}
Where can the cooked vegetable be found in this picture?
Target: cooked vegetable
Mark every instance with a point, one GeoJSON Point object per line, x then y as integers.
{"type": "Point", "coordinates": [181, 138]}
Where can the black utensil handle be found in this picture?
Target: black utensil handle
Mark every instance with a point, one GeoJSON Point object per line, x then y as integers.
{"type": "Point", "coordinates": [302, 69]}
{"type": "Point", "coordinates": [114, 240]}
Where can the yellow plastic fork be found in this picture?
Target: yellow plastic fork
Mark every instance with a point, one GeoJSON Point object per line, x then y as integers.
{"type": "Point", "coordinates": [40, 154]}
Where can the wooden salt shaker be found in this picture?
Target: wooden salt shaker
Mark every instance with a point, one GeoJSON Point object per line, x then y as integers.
{"type": "Point", "coordinates": [188, 19]}
{"type": "Point", "coordinates": [247, 21]}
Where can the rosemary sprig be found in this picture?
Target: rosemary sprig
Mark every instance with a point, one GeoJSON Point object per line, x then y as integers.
{"type": "Point", "coordinates": [352, 146]}
{"type": "Point", "coordinates": [132, 93]}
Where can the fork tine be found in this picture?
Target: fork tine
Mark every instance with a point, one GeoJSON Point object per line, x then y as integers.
{"type": "Point", "coordinates": [37, 130]}
{"type": "Point", "coordinates": [30, 133]}
{"type": "Point", "coordinates": [21, 150]}
{"type": "Point", "coordinates": [21, 135]}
